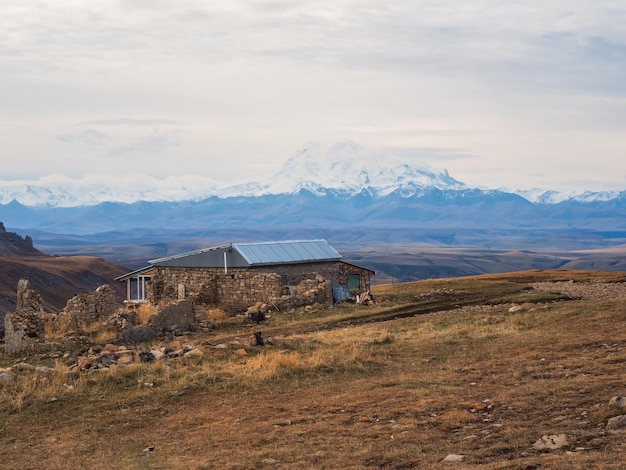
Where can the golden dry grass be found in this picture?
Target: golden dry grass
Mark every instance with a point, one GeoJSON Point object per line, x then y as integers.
{"type": "Point", "coordinates": [479, 381]}
{"type": "Point", "coordinates": [145, 311]}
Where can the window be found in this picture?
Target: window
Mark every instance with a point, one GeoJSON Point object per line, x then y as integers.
{"type": "Point", "coordinates": [137, 288]}
{"type": "Point", "coordinates": [354, 282]}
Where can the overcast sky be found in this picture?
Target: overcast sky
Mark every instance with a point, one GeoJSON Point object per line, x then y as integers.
{"type": "Point", "coordinates": [502, 94]}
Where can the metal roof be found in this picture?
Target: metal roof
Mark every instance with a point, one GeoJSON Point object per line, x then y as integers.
{"type": "Point", "coordinates": [286, 251]}
{"type": "Point", "coordinates": [253, 254]}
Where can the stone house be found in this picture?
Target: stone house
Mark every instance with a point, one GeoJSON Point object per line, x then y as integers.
{"type": "Point", "coordinates": [237, 275]}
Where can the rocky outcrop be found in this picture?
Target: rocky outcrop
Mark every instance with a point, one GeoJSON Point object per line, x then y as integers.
{"type": "Point", "coordinates": [11, 244]}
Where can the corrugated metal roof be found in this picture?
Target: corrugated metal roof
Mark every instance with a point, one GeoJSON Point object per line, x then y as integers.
{"type": "Point", "coordinates": [286, 251]}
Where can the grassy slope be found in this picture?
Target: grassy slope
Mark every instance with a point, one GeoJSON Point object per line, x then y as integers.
{"type": "Point", "coordinates": [351, 394]}
{"type": "Point", "coordinates": [57, 278]}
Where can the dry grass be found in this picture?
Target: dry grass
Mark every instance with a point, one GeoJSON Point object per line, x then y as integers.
{"type": "Point", "coordinates": [479, 381]}
{"type": "Point", "coordinates": [216, 315]}
{"type": "Point", "coordinates": [145, 311]}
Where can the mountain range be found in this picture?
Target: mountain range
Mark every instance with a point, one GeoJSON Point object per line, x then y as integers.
{"type": "Point", "coordinates": [347, 194]}
{"type": "Point", "coordinates": [345, 169]}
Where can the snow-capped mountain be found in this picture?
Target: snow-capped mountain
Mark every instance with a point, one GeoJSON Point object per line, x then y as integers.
{"type": "Point", "coordinates": [351, 168]}
{"type": "Point", "coordinates": [345, 169]}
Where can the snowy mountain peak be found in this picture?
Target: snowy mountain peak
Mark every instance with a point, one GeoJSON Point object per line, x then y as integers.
{"type": "Point", "coordinates": [349, 167]}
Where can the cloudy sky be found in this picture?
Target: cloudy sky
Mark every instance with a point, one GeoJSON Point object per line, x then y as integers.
{"type": "Point", "coordinates": [502, 94]}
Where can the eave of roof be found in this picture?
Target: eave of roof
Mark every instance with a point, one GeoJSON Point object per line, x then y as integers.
{"type": "Point", "coordinates": [189, 253]}
{"type": "Point", "coordinates": [134, 273]}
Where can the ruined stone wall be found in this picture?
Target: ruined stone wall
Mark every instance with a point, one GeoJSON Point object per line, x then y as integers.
{"type": "Point", "coordinates": [86, 309]}
{"type": "Point", "coordinates": [241, 287]}
{"type": "Point", "coordinates": [25, 328]}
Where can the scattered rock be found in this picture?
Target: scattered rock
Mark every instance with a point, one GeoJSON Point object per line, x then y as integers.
{"type": "Point", "coordinates": [619, 402]}
{"type": "Point", "coordinates": [270, 461]}
{"type": "Point", "coordinates": [22, 366]}
{"type": "Point", "coordinates": [551, 442]}
{"type": "Point", "coordinates": [6, 377]}
{"type": "Point", "coordinates": [241, 352]}
{"type": "Point", "coordinates": [194, 353]}
{"type": "Point", "coordinates": [146, 357]}
{"type": "Point", "coordinates": [516, 308]}
{"type": "Point", "coordinates": [454, 458]}
{"type": "Point", "coordinates": [149, 449]}
{"type": "Point", "coordinates": [617, 422]}
{"type": "Point", "coordinates": [158, 354]}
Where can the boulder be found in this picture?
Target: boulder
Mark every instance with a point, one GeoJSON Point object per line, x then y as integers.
{"type": "Point", "coordinates": [618, 402]}
{"type": "Point", "coordinates": [617, 422]}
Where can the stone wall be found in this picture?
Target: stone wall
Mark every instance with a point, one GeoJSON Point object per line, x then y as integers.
{"type": "Point", "coordinates": [235, 290]}
{"type": "Point", "coordinates": [25, 328]}
{"type": "Point", "coordinates": [239, 288]}
{"type": "Point", "coordinates": [86, 309]}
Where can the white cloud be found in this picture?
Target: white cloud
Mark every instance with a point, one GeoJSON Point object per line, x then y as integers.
{"type": "Point", "coordinates": [224, 88]}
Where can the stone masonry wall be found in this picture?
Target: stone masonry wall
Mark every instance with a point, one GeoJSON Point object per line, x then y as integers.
{"type": "Point", "coordinates": [235, 290]}
{"type": "Point", "coordinates": [240, 287]}
{"type": "Point", "coordinates": [25, 328]}
{"type": "Point", "coordinates": [86, 309]}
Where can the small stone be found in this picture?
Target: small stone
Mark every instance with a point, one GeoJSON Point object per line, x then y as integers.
{"type": "Point", "coordinates": [194, 353]}
{"type": "Point", "coordinates": [6, 377]}
{"type": "Point", "coordinates": [516, 308]}
{"type": "Point", "coordinates": [221, 346]}
{"type": "Point", "coordinates": [270, 461]}
{"type": "Point", "coordinates": [551, 442]}
{"type": "Point", "coordinates": [125, 360]}
{"type": "Point", "coordinates": [149, 449]}
{"type": "Point", "coordinates": [454, 458]}
{"type": "Point", "coordinates": [241, 352]}
{"type": "Point", "coordinates": [23, 366]}
{"type": "Point", "coordinates": [158, 354]}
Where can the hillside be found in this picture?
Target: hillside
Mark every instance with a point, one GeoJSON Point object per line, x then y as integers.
{"type": "Point", "coordinates": [514, 371]}
{"type": "Point", "coordinates": [56, 278]}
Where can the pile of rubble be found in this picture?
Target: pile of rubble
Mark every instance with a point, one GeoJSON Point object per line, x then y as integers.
{"type": "Point", "coordinates": [93, 315]}
{"type": "Point", "coordinates": [102, 358]}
